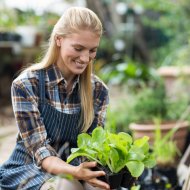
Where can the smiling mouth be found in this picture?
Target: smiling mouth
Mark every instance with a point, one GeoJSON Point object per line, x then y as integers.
{"type": "Point", "coordinates": [81, 65]}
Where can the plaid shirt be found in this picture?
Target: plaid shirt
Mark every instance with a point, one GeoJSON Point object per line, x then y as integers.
{"type": "Point", "coordinates": [25, 100]}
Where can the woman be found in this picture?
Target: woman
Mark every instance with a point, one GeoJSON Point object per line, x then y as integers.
{"type": "Point", "coordinates": [54, 101]}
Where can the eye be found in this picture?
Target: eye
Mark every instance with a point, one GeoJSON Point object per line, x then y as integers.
{"type": "Point", "coordinates": [93, 50]}
{"type": "Point", "coordinates": [78, 49]}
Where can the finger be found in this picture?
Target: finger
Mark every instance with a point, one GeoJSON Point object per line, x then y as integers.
{"type": "Point", "coordinates": [89, 164]}
{"type": "Point", "coordinates": [92, 174]}
{"type": "Point", "coordinates": [98, 173]}
{"type": "Point", "coordinates": [98, 183]}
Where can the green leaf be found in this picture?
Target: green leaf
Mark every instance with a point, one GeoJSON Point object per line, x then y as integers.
{"type": "Point", "coordinates": [73, 150]}
{"type": "Point", "coordinates": [114, 158]}
{"type": "Point", "coordinates": [149, 161]}
{"type": "Point", "coordinates": [135, 168]}
{"type": "Point", "coordinates": [98, 135]}
{"type": "Point", "coordinates": [125, 137]}
{"type": "Point", "coordinates": [116, 142]}
{"type": "Point", "coordinates": [136, 153]}
{"type": "Point", "coordinates": [82, 153]}
{"type": "Point", "coordinates": [83, 140]}
{"type": "Point", "coordinates": [143, 143]}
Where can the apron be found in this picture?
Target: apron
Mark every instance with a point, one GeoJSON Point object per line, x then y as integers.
{"type": "Point", "coordinates": [20, 172]}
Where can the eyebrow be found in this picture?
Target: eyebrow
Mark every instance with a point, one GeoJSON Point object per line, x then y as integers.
{"type": "Point", "coordinates": [74, 45]}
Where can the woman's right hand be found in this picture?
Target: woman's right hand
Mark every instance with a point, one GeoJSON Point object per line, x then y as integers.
{"type": "Point", "coordinates": [84, 172]}
{"type": "Point", "coordinates": [56, 166]}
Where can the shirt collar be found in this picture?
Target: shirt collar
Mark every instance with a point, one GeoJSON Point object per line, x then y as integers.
{"type": "Point", "coordinates": [55, 76]}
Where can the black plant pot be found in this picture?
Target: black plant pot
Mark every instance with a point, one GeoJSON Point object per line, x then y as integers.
{"type": "Point", "coordinates": [128, 180]}
{"type": "Point", "coordinates": [152, 179]}
{"type": "Point", "coordinates": [114, 180]}
{"type": "Point", "coordinates": [170, 173]}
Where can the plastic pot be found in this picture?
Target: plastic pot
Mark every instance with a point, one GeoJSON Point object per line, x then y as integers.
{"type": "Point", "coordinates": [127, 180]}
{"type": "Point", "coordinates": [113, 179]}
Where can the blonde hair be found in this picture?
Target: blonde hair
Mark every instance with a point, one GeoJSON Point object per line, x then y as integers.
{"type": "Point", "coordinates": [73, 20]}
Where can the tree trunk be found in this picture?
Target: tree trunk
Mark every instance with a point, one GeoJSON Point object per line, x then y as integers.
{"type": "Point", "coordinates": [109, 18]}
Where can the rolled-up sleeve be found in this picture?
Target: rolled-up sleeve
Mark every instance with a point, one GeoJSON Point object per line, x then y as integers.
{"type": "Point", "coordinates": [31, 127]}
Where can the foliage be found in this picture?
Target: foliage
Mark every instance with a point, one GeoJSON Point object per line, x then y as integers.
{"type": "Point", "coordinates": [116, 117]}
{"type": "Point", "coordinates": [144, 103]}
{"type": "Point", "coordinates": [111, 121]}
{"type": "Point", "coordinates": [165, 29]}
{"type": "Point", "coordinates": [8, 18]}
{"type": "Point", "coordinates": [11, 18]}
{"type": "Point", "coordinates": [151, 102]}
{"type": "Point", "coordinates": [126, 70]}
{"type": "Point", "coordinates": [171, 17]}
{"type": "Point", "coordinates": [178, 57]}
{"type": "Point", "coordinates": [28, 18]}
{"type": "Point", "coordinates": [116, 151]}
{"type": "Point", "coordinates": [164, 148]}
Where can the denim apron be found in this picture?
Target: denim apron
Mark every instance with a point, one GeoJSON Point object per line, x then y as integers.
{"type": "Point", "coordinates": [20, 171]}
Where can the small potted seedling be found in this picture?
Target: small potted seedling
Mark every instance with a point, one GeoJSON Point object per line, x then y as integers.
{"type": "Point", "coordinates": [121, 157]}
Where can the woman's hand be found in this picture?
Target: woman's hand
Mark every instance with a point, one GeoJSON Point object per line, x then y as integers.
{"type": "Point", "coordinates": [84, 172]}
{"type": "Point", "coordinates": [55, 165]}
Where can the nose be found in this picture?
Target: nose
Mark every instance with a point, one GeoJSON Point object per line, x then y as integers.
{"type": "Point", "coordinates": [85, 57]}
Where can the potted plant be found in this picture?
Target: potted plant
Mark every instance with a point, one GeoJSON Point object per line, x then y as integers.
{"type": "Point", "coordinates": [152, 102]}
{"type": "Point", "coordinates": [164, 174]}
{"type": "Point", "coordinates": [164, 148]}
{"type": "Point", "coordinates": [166, 151]}
{"type": "Point", "coordinates": [122, 158]}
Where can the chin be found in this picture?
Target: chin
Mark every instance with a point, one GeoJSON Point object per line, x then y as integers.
{"type": "Point", "coordinates": [78, 72]}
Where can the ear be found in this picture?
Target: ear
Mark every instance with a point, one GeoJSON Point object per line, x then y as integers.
{"type": "Point", "coordinates": [58, 41]}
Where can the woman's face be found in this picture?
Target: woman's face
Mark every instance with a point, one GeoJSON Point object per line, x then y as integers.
{"type": "Point", "coordinates": [76, 52]}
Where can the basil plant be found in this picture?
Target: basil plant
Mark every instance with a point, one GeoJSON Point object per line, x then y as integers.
{"type": "Point", "coordinates": [114, 151]}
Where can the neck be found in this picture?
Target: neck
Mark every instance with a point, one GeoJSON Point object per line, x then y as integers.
{"type": "Point", "coordinates": [68, 76]}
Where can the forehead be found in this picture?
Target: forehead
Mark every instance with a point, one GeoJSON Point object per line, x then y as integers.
{"type": "Point", "coordinates": [84, 38]}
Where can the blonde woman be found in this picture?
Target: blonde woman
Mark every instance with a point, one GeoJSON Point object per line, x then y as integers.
{"type": "Point", "coordinates": [54, 101]}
